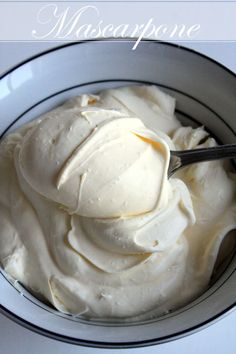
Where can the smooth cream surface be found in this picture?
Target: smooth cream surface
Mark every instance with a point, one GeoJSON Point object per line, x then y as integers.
{"type": "Point", "coordinates": [88, 218]}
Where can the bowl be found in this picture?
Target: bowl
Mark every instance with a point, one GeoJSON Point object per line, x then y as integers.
{"type": "Point", "coordinates": [205, 93]}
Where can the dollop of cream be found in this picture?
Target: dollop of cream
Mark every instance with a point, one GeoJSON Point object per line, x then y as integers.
{"type": "Point", "coordinates": [89, 219]}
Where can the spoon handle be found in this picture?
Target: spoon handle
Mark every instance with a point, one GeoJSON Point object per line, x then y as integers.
{"type": "Point", "coordinates": [183, 158]}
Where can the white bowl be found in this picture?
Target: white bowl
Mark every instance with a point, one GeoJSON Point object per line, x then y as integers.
{"type": "Point", "coordinates": [205, 93]}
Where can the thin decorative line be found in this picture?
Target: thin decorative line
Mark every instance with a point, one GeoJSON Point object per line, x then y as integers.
{"type": "Point", "coordinates": [118, 40]}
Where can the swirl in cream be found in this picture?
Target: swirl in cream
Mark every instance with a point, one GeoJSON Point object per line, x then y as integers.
{"type": "Point", "coordinates": [89, 219]}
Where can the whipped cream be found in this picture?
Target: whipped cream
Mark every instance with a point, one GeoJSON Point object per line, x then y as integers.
{"type": "Point", "coordinates": [89, 220]}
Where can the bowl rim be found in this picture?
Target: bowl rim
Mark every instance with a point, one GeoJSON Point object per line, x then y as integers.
{"type": "Point", "coordinates": [114, 345]}
{"type": "Point", "coordinates": [100, 344]}
{"type": "Point", "coordinates": [120, 39]}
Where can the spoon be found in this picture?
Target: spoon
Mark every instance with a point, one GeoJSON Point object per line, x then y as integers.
{"type": "Point", "coordinates": [180, 159]}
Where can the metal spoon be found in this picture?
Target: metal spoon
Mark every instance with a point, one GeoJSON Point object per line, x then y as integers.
{"type": "Point", "coordinates": [179, 159]}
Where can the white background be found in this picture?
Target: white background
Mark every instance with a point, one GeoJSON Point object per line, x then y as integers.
{"type": "Point", "coordinates": [219, 338]}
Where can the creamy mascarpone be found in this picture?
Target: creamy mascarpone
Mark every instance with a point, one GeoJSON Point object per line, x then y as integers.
{"type": "Point", "coordinates": [90, 221]}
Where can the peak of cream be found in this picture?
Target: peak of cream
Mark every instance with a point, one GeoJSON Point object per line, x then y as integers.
{"type": "Point", "coordinates": [99, 164]}
{"type": "Point", "coordinates": [88, 218]}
